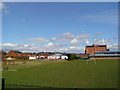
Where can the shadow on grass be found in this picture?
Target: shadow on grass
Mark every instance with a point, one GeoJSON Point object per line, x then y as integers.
{"type": "Point", "coordinates": [25, 86]}
{"type": "Point", "coordinates": [32, 87]}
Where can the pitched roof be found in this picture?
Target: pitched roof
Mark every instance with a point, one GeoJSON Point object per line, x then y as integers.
{"type": "Point", "coordinates": [27, 53]}
{"type": "Point", "coordinates": [16, 51]}
{"type": "Point", "coordinates": [58, 55]}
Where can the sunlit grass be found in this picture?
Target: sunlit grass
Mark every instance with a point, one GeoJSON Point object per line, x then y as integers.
{"type": "Point", "coordinates": [66, 74]}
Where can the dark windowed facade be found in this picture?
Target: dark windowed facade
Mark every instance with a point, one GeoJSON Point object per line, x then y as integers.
{"type": "Point", "coordinates": [90, 50]}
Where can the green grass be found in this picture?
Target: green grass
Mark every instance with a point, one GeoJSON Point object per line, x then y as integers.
{"type": "Point", "coordinates": [64, 74]}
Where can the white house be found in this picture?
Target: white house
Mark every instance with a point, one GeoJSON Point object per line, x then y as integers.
{"type": "Point", "coordinates": [33, 57]}
{"type": "Point", "coordinates": [57, 56]}
{"type": "Point", "coordinates": [64, 57]}
{"type": "Point", "coordinates": [9, 58]}
{"type": "Point", "coordinates": [42, 57]}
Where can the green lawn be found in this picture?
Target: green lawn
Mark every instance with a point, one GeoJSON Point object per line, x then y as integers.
{"type": "Point", "coordinates": [64, 74]}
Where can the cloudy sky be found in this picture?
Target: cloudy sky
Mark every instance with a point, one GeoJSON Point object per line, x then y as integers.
{"type": "Point", "coordinates": [60, 26]}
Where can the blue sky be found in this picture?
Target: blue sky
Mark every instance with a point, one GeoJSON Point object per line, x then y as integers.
{"type": "Point", "coordinates": [61, 26]}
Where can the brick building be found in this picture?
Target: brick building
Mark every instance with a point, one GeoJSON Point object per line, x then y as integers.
{"type": "Point", "coordinates": [3, 54]}
{"type": "Point", "coordinates": [16, 53]}
{"type": "Point", "coordinates": [90, 50]}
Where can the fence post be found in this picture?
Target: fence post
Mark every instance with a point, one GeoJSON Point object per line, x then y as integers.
{"type": "Point", "coordinates": [3, 83]}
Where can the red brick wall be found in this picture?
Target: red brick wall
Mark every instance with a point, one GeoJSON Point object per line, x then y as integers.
{"type": "Point", "coordinates": [12, 53]}
{"type": "Point", "coordinates": [95, 48]}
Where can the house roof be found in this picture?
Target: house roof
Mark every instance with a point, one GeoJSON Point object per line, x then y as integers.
{"type": "Point", "coordinates": [57, 55]}
{"type": "Point", "coordinates": [27, 53]}
{"type": "Point", "coordinates": [42, 53]}
{"type": "Point", "coordinates": [98, 46]}
{"type": "Point", "coordinates": [16, 51]}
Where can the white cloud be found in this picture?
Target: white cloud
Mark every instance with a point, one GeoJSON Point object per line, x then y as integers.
{"type": "Point", "coordinates": [67, 42]}
{"type": "Point", "coordinates": [67, 36]}
{"type": "Point", "coordinates": [111, 39]}
{"type": "Point", "coordinates": [63, 49]}
{"type": "Point", "coordinates": [101, 41]}
{"type": "Point", "coordinates": [38, 40]}
{"type": "Point", "coordinates": [77, 49]}
{"type": "Point", "coordinates": [9, 44]}
{"type": "Point", "coordinates": [72, 47]}
{"type": "Point", "coordinates": [50, 44]}
{"type": "Point", "coordinates": [83, 36]}
{"type": "Point", "coordinates": [54, 39]}
{"type": "Point", "coordinates": [52, 47]}
{"type": "Point", "coordinates": [97, 37]}
{"type": "Point", "coordinates": [72, 38]}
{"type": "Point", "coordinates": [110, 45]}
{"type": "Point", "coordinates": [26, 45]}
{"type": "Point", "coordinates": [95, 40]}
{"type": "Point", "coordinates": [88, 42]}
{"type": "Point", "coordinates": [74, 41]}
{"type": "Point", "coordinates": [21, 47]}
{"type": "Point", "coordinates": [98, 33]}
{"type": "Point", "coordinates": [113, 46]}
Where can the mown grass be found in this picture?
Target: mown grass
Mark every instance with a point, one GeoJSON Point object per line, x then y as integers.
{"type": "Point", "coordinates": [65, 74]}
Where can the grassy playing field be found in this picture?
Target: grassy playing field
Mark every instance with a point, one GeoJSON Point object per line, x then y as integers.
{"type": "Point", "coordinates": [62, 73]}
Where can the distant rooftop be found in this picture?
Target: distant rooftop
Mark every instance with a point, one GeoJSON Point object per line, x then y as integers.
{"type": "Point", "coordinates": [58, 55]}
{"type": "Point", "coordinates": [27, 53]}
{"type": "Point", "coordinates": [98, 45]}
{"type": "Point", "coordinates": [16, 51]}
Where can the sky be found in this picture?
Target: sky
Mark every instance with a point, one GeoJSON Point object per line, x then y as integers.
{"type": "Point", "coordinates": [58, 26]}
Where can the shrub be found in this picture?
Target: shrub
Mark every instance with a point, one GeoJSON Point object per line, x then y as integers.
{"type": "Point", "coordinates": [23, 57]}
{"type": "Point", "coordinates": [71, 56]}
